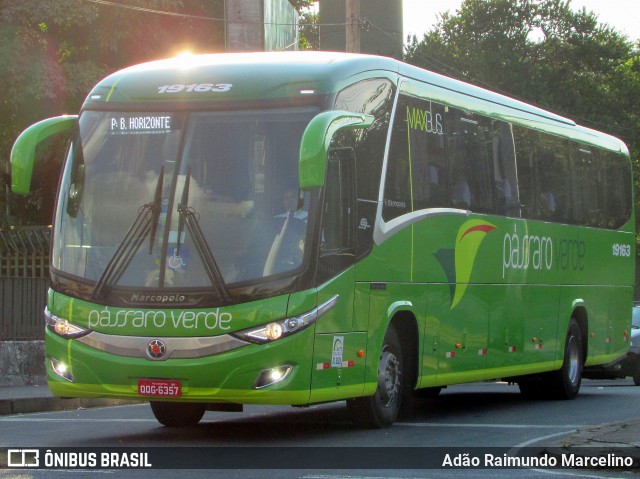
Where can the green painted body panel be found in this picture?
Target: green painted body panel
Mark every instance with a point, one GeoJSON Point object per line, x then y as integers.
{"type": "Point", "coordinates": [509, 320]}
{"type": "Point", "coordinates": [338, 372]}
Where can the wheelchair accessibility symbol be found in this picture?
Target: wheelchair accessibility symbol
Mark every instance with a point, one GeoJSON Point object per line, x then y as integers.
{"type": "Point", "coordinates": [177, 261]}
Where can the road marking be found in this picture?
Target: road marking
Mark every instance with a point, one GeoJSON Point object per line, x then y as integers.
{"type": "Point", "coordinates": [544, 438]}
{"type": "Point", "coordinates": [496, 426]}
{"type": "Point", "coordinates": [342, 476]}
{"type": "Point", "coordinates": [516, 448]}
{"type": "Point", "coordinates": [575, 474]}
{"type": "Point", "coordinates": [73, 419]}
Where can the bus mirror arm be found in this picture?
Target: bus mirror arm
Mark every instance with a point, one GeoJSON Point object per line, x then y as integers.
{"type": "Point", "coordinates": [316, 140]}
{"type": "Point", "coordinates": [24, 149]}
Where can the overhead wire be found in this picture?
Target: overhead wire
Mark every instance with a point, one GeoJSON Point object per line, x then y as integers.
{"type": "Point", "coordinates": [201, 17]}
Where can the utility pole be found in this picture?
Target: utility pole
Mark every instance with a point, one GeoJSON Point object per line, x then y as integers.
{"type": "Point", "coordinates": [353, 26]}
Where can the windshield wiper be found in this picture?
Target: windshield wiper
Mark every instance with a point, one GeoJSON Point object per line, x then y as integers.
{"type": "Point", "coordinates": [189, 217]}
{"type": "Point", "coordinates": [145, 222]}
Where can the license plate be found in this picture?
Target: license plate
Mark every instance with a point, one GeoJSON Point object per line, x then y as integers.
{"type": "Point", "coordinates": [159, 387]}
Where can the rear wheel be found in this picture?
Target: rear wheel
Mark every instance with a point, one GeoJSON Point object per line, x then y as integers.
{"type": "Point", "coordinates": [564, 383]}
{"type": "Point", "coordinates": [381, 409]}
{"type": "Point", "coordinates": [173, 414]}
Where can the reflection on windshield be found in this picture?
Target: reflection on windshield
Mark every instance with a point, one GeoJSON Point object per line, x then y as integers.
{"type": "Point", "coordinates": [242, 195]}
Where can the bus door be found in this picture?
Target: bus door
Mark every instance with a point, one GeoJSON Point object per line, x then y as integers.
{"type": "Point", "coordinates": [338, 369]}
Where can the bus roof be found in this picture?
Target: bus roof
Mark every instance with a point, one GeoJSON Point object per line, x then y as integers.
{"type": "Point", "coordinates": [236, 77]}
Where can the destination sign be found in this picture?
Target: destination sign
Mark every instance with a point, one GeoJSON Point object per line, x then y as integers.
{"type": "Point", "coordinates": [140, 124]}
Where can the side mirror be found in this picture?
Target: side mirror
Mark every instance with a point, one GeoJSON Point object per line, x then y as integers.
{"type": "Point", "coordinates": [316, 140]}
{"type": "Point", "coordinates": [24, 149]}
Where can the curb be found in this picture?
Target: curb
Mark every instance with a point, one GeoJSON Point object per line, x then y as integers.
{"type": "Point", "coordinates": [45, 404]}
{"type": "Point", "coordinates": [604, 441]}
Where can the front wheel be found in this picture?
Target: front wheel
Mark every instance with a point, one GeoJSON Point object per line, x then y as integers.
{"type": "Point", "coordinates": [381, 409]}
{"type": "Point", "coordinates": [173, 414]}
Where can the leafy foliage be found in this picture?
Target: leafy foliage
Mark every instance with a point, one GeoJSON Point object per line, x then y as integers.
{"type": "Point", "coordinates": [54, 51]}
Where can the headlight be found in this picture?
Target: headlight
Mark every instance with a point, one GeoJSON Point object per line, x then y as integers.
{"type": "Point", "coordinates": [285, 327]}
{"type": "Point", "coordinates": [62, 327]}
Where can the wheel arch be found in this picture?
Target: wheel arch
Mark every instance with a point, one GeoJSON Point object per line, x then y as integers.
{"type": "Point", "coordinates": [406, 325]}
{"type": "Point", "coordinates": [580, 314]}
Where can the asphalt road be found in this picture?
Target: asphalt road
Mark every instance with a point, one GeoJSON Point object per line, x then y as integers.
{"type": "Point", "coordinates": [463, 418]}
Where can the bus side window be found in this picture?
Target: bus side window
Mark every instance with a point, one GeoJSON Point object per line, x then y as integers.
{"type": "Point", "coordinates": [373, 96]}
{"type": "Point", "coordinates": [504, 170]}
{"type": "Point", "coordinates": [337, 241]}
{"type": "Point", "coordinates": [397, 189]}
{"type": "Point", "coordinates": [617, 186]}
{"type": "Point", "coordinates": [525, 141]}
{"type": "Point", "coordinates": [469, 148]}
{"type": "Point", "coordinates": [586, 203]}
{"type": "Point", "coordinates": [553, 179]}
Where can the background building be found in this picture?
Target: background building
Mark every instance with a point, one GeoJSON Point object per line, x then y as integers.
{"type": "Point", "coordinates": [380, 26]}
{"type": "Point", "coordinates": [261, 25]}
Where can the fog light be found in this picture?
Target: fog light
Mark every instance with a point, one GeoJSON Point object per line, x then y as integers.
{"type": "Point", "coordinates": [61, 369]}
{"type": "Point", "coordinates": [271, 376]}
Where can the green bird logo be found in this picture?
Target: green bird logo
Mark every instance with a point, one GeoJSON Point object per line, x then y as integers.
{"type": "Point", "coordinates": [470, 237]}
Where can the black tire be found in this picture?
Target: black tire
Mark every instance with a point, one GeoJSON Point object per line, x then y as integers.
{"type": "Point", "coordinates": [381, 409]}
{"type": "Point", "coordinates": [172, 414]}
{"type": "Point", "coordinates": [567, 381]}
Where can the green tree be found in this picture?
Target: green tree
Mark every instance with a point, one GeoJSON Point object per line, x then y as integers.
{"type": "Point", "coordinates": [309, 34]}
{"type": "Point", "coordinates": [301, 5]}
{"type": "Point", "coordinates": [538, 50]}
{"type": "Point", "coordinates": [309, 30]}
{"type": "Point", "coordinates": [54, 51]}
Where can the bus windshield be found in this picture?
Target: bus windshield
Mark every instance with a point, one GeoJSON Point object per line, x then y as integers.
{"type": "Point", "coordinates": [176, 199]}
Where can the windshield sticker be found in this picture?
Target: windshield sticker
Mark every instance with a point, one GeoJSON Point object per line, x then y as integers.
{"type": "Point", "coordinates": [336, 352]}
{"type": "Point", "coordinates": [177, 260]}
{"type": "Point", "coordinates": [139, 124]}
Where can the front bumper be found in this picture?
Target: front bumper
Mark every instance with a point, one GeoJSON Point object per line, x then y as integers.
{"type": "Point", "coordinates": [224, 377]}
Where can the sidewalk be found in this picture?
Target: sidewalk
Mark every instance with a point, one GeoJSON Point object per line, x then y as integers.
{"type": "Point", "coordinates": [620, 438]}
{"type": "Point", "coordinates": [27, 399]}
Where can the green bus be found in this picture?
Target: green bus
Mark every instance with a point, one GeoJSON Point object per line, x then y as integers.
{"type": "Point", "coordinates": [297, 228]}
